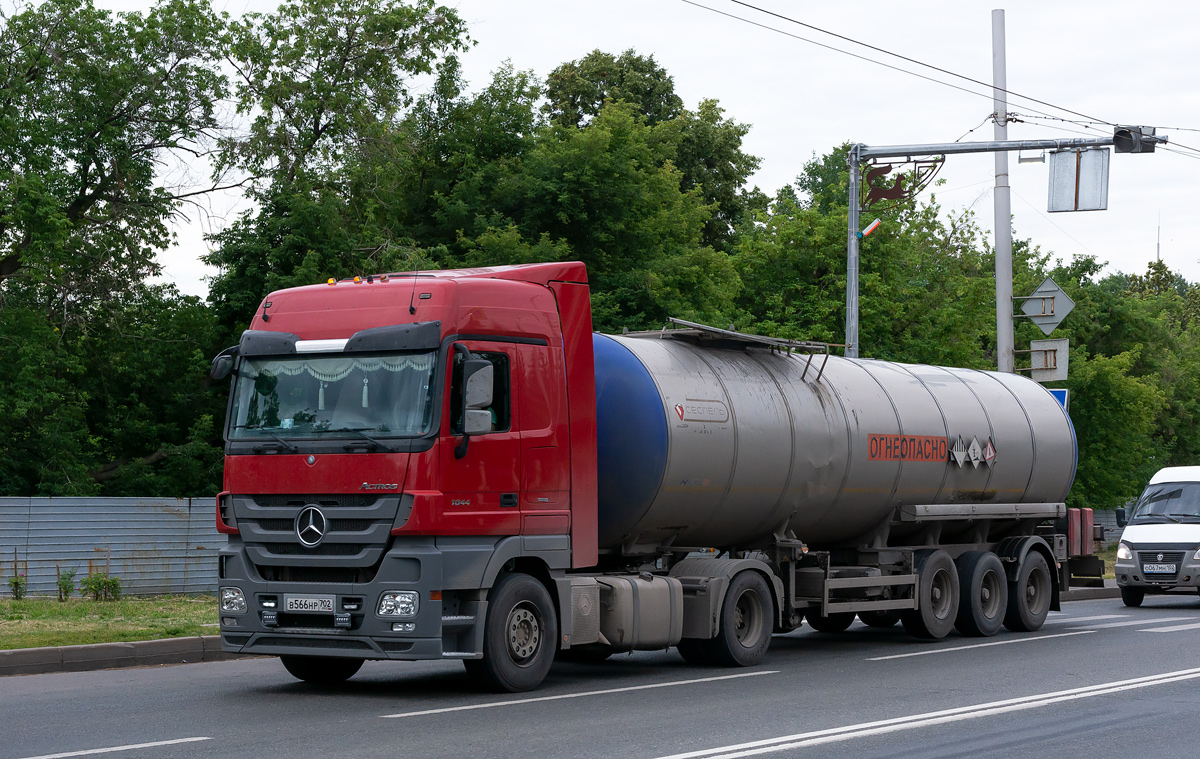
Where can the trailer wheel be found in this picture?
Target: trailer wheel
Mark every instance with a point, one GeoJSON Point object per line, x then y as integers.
{"type": "Point", "coordinates": [834, 623]}
{"type": "Point", "coordinates": [983, 594]}
{"type": "Point", "coordinates": [321, 670]}
{"type": "Point", "coordinates": [886, 618]}
{"type": "Point", "coordinates": [1132, 596]}
{"type": "Point", "coordinates": [747, 619]}
{"type": "Point", "coordinates": [937, 597]}
{"type": "Point", "coordinates": [519, 636]}
{"type": "Point", "coordinates": [1029, 596]}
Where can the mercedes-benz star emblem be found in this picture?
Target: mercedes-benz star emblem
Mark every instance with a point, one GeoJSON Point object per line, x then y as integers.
{"type": "Point", "coordinates": [310, 526]}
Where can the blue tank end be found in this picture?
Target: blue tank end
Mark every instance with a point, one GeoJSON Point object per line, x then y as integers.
{"type": "Point", "coordinates": [631, 439]}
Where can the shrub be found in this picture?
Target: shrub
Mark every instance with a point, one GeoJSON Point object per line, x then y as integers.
{"type": "Point", "coordinates": [101, 587]}
{"type": "Point", "coordinates": [17, 586]}
{"type": "Point", "coordinates": [66, 583]}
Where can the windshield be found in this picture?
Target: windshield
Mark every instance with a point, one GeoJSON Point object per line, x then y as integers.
{"type": "Point", "coordinates": [1168, 502]}
{"type": "Point", "coordinates": [315, 397]}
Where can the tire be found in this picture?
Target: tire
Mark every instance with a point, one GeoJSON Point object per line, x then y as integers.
{"type": "Point", "coordinates": [1029, 596]}
{"type": "Point", "coordinates": [983, 594]}
{"type": "Point", "coordinates": [520, 636]}
{"type": "Point", "coordinates": [834, 623]}
{"type": "Point", "coordinates": [321, 670]}
{"type": "Point", "coordinates": [695, 651]}
{"type": "Point", "coordinates": [1132, 596]}
{"type": "Point", "coordinates": [880, 619]}
{"type": "Point", "coordinates": [937, 597]}
{"type": "Point", "coordinates": [746, 623]}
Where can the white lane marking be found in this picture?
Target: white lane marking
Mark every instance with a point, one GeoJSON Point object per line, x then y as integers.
{"type": "Point", "coordinates": [1171, 628]}
{"type": "Point", "coordinates": [563, 696]}
{"type": "Point", "coordinates": [130, 747]}
{"type": "Point", "coordinates": [1021, 639]}
{"type": "Point", "coordinates": [1067, 620]}
{"type": "Point", "coordinates": [896, 724]}
{"type": "Point", "coordinates": [1134, 622]}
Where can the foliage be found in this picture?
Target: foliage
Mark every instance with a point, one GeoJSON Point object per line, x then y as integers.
{"type": "Point", "coordinates": [66, 583]}
{"type": "Point", "coordinates": [93, 104]}
{"type": "Point", "coordinates": [101, 587]}
{"type": "Point", "coordinates": [17, 585]}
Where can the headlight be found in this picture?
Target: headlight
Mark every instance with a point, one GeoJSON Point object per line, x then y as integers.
{"type": "Point", "coordinates": [1196, 555]}
{"type": "Point", "coordinates": [1123, 552]}
{"type": "Point", "coordinates": [233, 600]}
{"type": "Point", "coordinates": [399, 603]}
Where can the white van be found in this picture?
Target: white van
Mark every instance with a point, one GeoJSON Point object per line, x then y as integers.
{"type": "Point", "coordinates": [1160, 545]}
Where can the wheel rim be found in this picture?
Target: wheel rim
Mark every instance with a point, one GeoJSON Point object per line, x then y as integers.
{"type": "Point", "coordinates": [1037, 591]}
{"type": "Point", "coordinates": [748, 619]}
{"type": "Point", "coordinates": [941, 594]}
{"type": "Point", "coordinates": [990, 595]}
{"type": "Point", "coordinates": [524, 634]}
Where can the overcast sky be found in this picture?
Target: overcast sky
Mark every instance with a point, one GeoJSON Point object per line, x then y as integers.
{"type": "Point", "coordinates": [1113, 60]}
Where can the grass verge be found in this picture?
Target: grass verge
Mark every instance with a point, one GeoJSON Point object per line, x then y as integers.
{"type": "Point", "coordinates": [38, 622]}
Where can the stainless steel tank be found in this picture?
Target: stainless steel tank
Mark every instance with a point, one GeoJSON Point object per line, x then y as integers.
{"type": "Point", "coordinates": [702, 446]}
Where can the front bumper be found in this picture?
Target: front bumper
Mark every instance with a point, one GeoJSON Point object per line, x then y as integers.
{"type": "Point", "coordinates": [1132, 572]}
{"type": "Point", "coordinates": [448, 623]}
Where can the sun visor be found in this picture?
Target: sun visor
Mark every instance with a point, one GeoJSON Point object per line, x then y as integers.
{"type": "Point", "coordinates": [262, 342]}
{"type": "Point", "coordinates": [397, 337]}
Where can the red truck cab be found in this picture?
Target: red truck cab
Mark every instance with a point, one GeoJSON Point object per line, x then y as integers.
{"type": "Point", "coordinates": [373, 491]}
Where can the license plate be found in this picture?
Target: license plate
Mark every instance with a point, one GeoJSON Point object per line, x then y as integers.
{"type": "Point", "coordinates": [317, 604]}
{"type": "Point", "coordinates": [1158, 569]}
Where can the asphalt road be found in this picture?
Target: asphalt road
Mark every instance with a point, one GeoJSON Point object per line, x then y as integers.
{"type": "Point", "coordinates": [1098, 680]}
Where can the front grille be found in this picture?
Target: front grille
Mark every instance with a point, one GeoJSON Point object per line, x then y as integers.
{"type": "Point", "coordinates": [339, 575]}
{"type": "Point", "coordinates": [325, 549]}
{"type": "Point", "coordinates": [1168, 557]}
{"type": "Point", "coordinates": [343, 500]}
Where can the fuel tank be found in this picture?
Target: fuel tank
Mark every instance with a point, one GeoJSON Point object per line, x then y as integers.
{"type": "Point", "coordinates": [724, 446]}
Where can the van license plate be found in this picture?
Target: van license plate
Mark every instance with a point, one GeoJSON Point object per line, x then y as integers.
{"type": "Point", "coordinates": [1158, 569]}
{"type": "Point", "coordinates": [311, 604]}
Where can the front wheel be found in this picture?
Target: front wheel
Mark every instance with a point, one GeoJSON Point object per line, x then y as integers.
{"type": "Point", "coordinates": [321, 670]}
{"type": "Point", "coordinates": [1132, 596]}
{"type": "Point", "coordinates": [520, 636]}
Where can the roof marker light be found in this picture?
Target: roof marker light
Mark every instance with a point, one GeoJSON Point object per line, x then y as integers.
{"type": "Point", "coordinates": [358, 280]}
{"type": "Point", "coordinates": [331, 281]}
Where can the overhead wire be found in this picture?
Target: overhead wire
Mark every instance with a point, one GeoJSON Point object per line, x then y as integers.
{"type": "Point", "coordinates": [1042, 114]}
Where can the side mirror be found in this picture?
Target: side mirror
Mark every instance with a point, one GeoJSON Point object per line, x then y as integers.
{"type": "Point", "coordinates": [477, 383]}
{"type": "Point", "coordinates": [477, 421]}
{"type": "Point", "coordinates": [222, 365]}
{"type": "Point", "coordinates": [1121, 518]}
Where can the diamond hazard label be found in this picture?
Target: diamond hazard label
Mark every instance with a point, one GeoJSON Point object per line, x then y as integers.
{"type": "Point", "coordinates": [989, 453]}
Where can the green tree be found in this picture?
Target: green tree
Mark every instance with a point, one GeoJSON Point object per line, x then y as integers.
{"type": "Point", "coordinates": [92, 104]}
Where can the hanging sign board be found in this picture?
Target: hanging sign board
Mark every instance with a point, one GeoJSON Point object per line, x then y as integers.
{"type": "Point", "coordinates": [1048, 359]}
{"type": "Point", "coordinates": [1079, 180]}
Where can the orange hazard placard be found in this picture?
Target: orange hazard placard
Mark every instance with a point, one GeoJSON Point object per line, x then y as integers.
{"type": "Point", "coordinates": [906, 448]}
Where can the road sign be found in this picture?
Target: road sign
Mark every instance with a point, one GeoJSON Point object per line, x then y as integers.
{"type": "Point", "coordinates": [1062, 395]}
{"type": "Point", "coordinates": [1047, 306]}
{"type": "Point", "coordinates": [1048, 359]}
{"type": "Point", "coordinates": [1078, 180]}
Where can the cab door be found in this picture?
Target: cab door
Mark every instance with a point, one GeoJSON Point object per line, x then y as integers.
{"type": "Point", "coordinates": [481, 489]}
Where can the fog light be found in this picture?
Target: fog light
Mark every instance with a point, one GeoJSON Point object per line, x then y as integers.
{"type": "Point", "coordinates": [229, 621]}
{"type": "Point", "coordinates": [404, 627]}
{"type": "Point", "coordinates": [233, 600]}
{"type": "Point", "coordinates": [269, 602]}
{"type": "Point", "coordinates": [398, 603]}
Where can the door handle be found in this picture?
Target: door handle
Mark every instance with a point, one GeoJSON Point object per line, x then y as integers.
{"type": "Point", "coordinates": [508, 500]}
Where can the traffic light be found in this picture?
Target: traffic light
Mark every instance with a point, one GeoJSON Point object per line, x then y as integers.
{"type": "Point", "coordinates": [1134, 139]}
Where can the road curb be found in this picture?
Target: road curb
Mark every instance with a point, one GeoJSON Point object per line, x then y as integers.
{"type": "Point", "coordinates": [142, 653]}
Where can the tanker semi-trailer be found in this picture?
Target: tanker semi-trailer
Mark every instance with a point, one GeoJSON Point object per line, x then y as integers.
{"type": "Point", "coordinates": [452, 465]}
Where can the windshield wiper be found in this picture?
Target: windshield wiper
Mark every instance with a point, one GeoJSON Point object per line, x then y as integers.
{"type": "Point", "coordinates": [1148, 517]}
{"type": "Point", "coordinates": [282, 444]}
{"type": "Point", "coordinates": [359, 431]}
